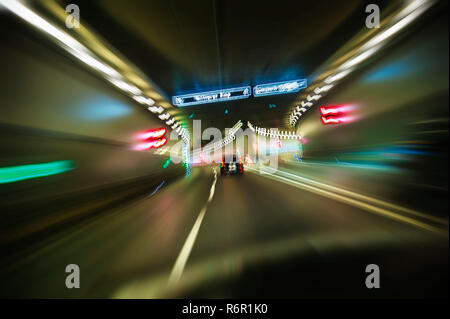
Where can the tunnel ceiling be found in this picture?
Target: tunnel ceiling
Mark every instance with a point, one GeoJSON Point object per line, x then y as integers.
{"type": "Point", "coordinates": [193, 46]}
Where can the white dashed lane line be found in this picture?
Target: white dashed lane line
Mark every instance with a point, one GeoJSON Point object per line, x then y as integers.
{"type": "Point", "coordinates": [183, 256]}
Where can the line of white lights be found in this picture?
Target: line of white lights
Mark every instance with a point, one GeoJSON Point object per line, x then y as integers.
{"type": "Point", "coordinates": [274, 133]}
{"type": "Point", "coordinates": [162, 150]}
{"type": "Point", "coordinates": [156, 109]}
{"type": "Point", "coordinates": [82, 53]}
{"type": "Point", "coordinates": [164, 116]}
{"type": "Point", "coordinates": [231, 136]}
{"type": "Point", "coordinates": [144, 100]}
{"type": "Point", "coordinates": [408, 14]}
{"type": "Point", "coordinates": [130, 88]}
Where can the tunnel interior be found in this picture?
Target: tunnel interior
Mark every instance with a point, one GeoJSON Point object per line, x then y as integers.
{"type": "Point", "coordinates": [349, 170]}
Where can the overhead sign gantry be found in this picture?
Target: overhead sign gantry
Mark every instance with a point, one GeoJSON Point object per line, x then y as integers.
{"type": "Point", "coordinates": [237, 93]}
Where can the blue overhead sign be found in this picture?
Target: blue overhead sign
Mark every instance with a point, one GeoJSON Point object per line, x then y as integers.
{"type": "Point", "coordinates": [279, 87]}
{"type": "Point", "coordinates": [212, 96]}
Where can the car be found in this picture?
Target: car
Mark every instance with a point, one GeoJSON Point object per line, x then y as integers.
{"type": "Point", "coordinates": [232, 167]}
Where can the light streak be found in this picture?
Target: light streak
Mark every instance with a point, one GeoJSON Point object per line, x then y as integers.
{"type": "Point", "coordinates": [22, 172]}
{"type": "Point", "coordinates": [151, 144]}
{"type": "Point", "coordinates": [153, 133]}
{"type": "Point", "coordinates": [183, 256]}
{"type": "Point", "coordinates": [355, 199]}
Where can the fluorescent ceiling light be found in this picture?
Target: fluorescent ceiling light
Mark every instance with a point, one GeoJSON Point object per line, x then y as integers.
{"type": "Point", "coordinates": [127, 87]}
{"type": "Point", "coordinates": [337, 76]}
{"type": "Point", "coordinates": [143, 100]}
{"type": "Point", "coordinates": [359, 58]}
{"type": "Point", "coordinates": [412, 11]}
{"type": "Point", "coordinates": [156, 109]}
{"type": "Point", "coordinates": [165, 116]}
{"type": "Point", "coordinates": [323, 88]}
{"type": "Point", "coordinates": [68, 43]}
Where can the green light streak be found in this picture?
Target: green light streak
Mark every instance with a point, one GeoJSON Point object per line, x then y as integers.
{"type": "Point", "coordinates": [18, 173]}
{"type": "Point", "coordinates": [166, 163]}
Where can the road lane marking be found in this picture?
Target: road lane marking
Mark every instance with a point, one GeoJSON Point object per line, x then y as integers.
{"type": "Point", "coordinates": [356, 203]}
{"type": "Point", "coordinates": [157, 188]}
{"type": "Point", "coordinates": [361, 197]}
{"type": "Point", "coordinates": [185, 252]}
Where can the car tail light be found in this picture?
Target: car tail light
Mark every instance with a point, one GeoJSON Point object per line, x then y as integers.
{"type": "Point", "coordinates": [153, 134]}
{"type": "Point", "coordinates": [151, 144]}
{"type": "Point", "coordinates": [336, 114]}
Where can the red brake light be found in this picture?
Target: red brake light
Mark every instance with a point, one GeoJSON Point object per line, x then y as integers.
{"type": "Point", "coordinates": [336, 114]}
{"type": "Point", "coordinates": [153, 134]}
{"type": "Point", "coordinates": [151, 144]}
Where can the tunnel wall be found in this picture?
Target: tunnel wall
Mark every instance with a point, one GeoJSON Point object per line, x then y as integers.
{"type": "Point", "coordinates": [396, 146]}
{"type": "Point", "coordinates": [54, 110]}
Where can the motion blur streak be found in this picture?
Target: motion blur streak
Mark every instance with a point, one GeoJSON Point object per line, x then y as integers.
{"type": "Point", "coordinates": [273, 175]}
{"type": "Point", "coordinates": [389, 27]}
{"type": "Point", "coordinates": [153, 134]}
{"type": "Point", "coordinates": [360, 197]}
{"type": "Point", "coordinates": [157, 188]}
{"type": "Point", "coordinates": [180, 263]}
{"type": "Point", "coordinates": [70, 44]}
{"type": "Point", "coordinates": [228, 265]}
{"type": "Point", "coordinates": [159, 223]}
{"type": "Point", "coordinates": [93, 52]}
{"type": "Point", "coordinates": [22, 172]}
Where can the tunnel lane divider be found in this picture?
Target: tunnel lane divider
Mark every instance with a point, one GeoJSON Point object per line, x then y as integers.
{"type": "Point", "coordinates": [344, 196]}
{"type": "Point", "coordinates": [185, 252]}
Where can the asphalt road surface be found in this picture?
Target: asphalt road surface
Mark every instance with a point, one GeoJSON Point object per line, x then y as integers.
{"type": "Point", "coordinates": [257, 235]}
